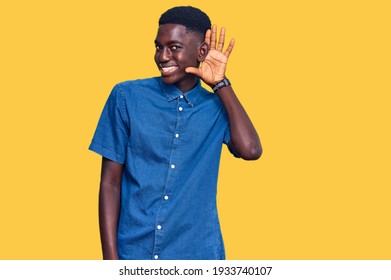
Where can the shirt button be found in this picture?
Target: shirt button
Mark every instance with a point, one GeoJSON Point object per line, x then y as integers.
{"type": "Point", "coordinates": [177, 135]}
{"type": "Point", "coordinates": [159, 227]}
{"type": "Point", "coordinates": [180, 108]}
{"type": "Point", "coordinates": [181, 96]}
{"type": "Point", "coordinates": [166, 197]}
{"type": "Point", "coordinates": [155, 257]}
{"type": "Point", "coordinates": [172, 166]}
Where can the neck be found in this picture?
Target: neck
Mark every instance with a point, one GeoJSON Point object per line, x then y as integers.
{"type": "Point", "coordinates": [185, 86]}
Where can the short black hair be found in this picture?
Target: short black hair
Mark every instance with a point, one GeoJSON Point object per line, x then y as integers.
{"type": "Point", "coordinates": [192, 18]}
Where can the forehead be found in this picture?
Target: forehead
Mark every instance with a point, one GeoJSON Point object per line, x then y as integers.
{"type": "Point", "coordinates": [175, 32]}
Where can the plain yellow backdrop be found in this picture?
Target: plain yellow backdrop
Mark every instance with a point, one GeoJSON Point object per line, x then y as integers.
{"type": "Point", "coordinates": [314, 77]}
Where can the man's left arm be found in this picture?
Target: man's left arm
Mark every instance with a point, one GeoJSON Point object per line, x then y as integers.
{"type": "Point", "coordinates": [244, 140]}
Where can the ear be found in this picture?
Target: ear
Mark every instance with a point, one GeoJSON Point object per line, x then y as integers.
{"type": "Point", "coordinates": [203, 51]}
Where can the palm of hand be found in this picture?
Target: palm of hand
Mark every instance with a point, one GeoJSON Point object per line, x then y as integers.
{"type": "Point", "coordinates": [212, 69]}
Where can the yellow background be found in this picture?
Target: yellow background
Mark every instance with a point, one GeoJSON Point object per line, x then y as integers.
{"type": "Point", "coordinates": [313, 75]}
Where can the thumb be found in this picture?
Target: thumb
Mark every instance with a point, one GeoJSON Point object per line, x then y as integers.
{"type": "Point", "coordinates": [193, 70]}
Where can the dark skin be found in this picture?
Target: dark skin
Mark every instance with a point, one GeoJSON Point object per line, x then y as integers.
{"type": "Point", "coordinates": [181, 56]}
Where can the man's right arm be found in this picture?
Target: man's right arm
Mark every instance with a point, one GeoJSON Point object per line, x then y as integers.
{"type": "Point", "coordinates": [109, 207]}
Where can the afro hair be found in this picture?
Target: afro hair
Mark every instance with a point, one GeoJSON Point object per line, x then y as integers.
{"type": "Point", "coordinates": [192, 18]}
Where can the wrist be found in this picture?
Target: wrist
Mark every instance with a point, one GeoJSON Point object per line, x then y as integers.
{"type": "Point", "coordinates": [223, 83]}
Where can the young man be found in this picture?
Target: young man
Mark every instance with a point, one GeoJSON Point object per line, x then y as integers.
{"type": "Point", "coordinates": [161, 140]}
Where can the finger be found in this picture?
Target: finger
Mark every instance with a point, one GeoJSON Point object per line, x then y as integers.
{"type": "Point", "coordinates": [220, 46]}
{"type": "Point", "coordinates": [193, 70]}
{"type": "Point", "coordinates": [229, 48]}
{"type": "Point", "coordinates": [207, 36]}
{"type": "Point", "coordinates": [213, 37]}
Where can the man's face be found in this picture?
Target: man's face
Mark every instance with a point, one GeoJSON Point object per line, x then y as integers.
{"type": "Point", "coordinates": [177, 49]}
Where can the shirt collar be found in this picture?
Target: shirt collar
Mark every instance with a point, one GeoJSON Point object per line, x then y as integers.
{"type": "Point", "coordinates": [172, 92]}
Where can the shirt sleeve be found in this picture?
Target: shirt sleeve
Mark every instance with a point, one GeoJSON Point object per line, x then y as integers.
{"type": "Point", "coordinates": [227, 138]}
{"type": "Point", "coordinates": [112, 133]}
{"type": "Point", "coordinates": [227, 135]}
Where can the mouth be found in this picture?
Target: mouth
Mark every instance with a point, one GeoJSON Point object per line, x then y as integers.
{"type": "Point", "coordinates": [167, 70]}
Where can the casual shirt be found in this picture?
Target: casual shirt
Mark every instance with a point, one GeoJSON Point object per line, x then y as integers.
{"type": "Point", "coordinates": [170, 144]}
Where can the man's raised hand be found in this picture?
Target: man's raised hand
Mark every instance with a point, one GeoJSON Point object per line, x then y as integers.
{"type": "Point", "coordinates": [212, 69]}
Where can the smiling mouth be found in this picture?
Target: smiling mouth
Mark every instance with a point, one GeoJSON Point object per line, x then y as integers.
{"type": "Point", "coordinates": [168, 69]}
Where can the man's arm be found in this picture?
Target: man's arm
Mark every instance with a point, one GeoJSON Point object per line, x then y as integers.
{"type": "Point", "coordinates": [109, 207]}
{"type": "Point", "coordinates": [244, 139]}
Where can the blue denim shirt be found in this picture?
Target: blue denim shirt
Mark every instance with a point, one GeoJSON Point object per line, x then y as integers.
{"type": "Point", "coordinates": [170, 144]}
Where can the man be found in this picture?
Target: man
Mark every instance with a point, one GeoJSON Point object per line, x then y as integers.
{"type": "Point", "coordinates": [161, 139]}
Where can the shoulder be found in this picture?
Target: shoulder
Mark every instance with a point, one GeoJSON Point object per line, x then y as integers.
{"type": "Point", "coordinates": [134, 85]}
{"type": "Point", "coordinates": [210, 97]}
{"type": "Point", "coordinates": [133, 93]}
{"type": "Point", "coordinates": [206, 92]}
{"type": "Point", "coordinates": [128, 90]}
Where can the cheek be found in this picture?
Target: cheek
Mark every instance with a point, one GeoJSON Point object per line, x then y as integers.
{"type": "Point", "coordinates": [191, 59]}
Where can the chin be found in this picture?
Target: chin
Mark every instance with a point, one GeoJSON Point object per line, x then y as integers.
{"type": "Point", "coordinates": [174, 79]}
{"type": "Point", "coordinates": [169, 79]}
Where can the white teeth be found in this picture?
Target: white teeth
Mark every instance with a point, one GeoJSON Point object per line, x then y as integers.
{"type": "Point", "coordinates": [169, 69]}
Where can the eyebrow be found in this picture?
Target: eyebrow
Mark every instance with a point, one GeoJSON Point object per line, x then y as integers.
{"type": "Point", "coordinates": [169, 43]}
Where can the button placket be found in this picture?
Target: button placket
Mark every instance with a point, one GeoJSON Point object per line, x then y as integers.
{"type": "Point", "coordinates": [170, 182]}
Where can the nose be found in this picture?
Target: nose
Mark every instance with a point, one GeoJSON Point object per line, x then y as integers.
{"type": "Point", "coordinates": [165, 55]}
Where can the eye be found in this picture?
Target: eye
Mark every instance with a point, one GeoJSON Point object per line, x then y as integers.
{"type": "Point", "coordinates": [157, 47]}
{"type": "Point", "coordinates": [175, 48]}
